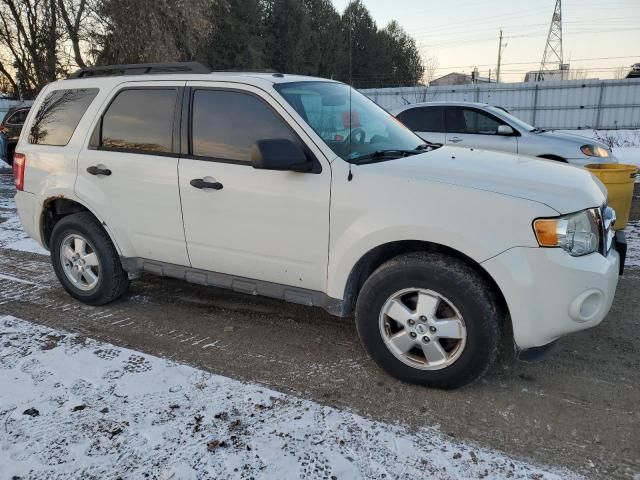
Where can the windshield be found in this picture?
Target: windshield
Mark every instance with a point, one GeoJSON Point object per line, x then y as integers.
{"type": "Point", "coordinates": [364, 130]}
{"type": "Point", "coordinates": [521, 124]}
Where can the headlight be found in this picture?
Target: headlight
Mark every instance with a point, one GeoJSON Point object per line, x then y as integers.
{"type": "Point", "coordinates": [577, 233]}
{"type": "Point", "coordinates": [594, 151]}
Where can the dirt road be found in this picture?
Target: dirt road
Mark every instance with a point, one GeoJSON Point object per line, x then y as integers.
{"type": "Point", "coordinates": [578, 409]}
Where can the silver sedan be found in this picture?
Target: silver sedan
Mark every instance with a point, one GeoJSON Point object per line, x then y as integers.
{"type": "Point", "coordinates": [478, 125]}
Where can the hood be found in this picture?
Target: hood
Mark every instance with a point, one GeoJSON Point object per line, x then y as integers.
{"type": "Point", "coordinates": [562, 187]}
{"type": "Point", "coordinates": [572, 138]}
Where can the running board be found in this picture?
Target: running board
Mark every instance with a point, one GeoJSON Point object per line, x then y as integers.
{"type": "Point", "coordinates": [244, 285]}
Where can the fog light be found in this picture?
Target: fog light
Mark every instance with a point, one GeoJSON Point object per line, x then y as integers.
{"type": "Point", "coordinates": [586, 306]}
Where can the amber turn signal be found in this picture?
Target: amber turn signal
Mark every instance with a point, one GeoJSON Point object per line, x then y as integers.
{"type": "Point", "coordinates": [546, 232]}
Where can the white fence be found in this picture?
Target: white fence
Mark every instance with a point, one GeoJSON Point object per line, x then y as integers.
{"type": "Point", "coordinates": [7, 104]}
{"type": "Point", "coordinates": [569, 104]}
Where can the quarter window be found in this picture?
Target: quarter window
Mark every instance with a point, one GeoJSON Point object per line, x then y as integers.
{"type": "Point", "coordinates": [140, 120]}
{"type": "Point", "coordinates": [59, 115]}
{"type": "Point", "coordinates": [226, 124]}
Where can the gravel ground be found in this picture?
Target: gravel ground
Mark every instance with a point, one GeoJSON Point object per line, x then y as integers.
{"type": "Point", "coordinates": [578, 409]}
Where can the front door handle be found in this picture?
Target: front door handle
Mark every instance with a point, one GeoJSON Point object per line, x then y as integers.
{"type": "Point", "coordinates": [201, 183]}
{"type": "Point", "coordinates": [94, 170]}
{"type": "Point", "coordinates": [455, 140]}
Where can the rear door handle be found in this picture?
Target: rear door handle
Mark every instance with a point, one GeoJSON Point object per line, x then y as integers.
{"type": "Point", "coordinates": [455, 140]}
{"type": "Point", "coordinates": [201, 183]}
{"type": "Point", "coordinates": [94, 170]}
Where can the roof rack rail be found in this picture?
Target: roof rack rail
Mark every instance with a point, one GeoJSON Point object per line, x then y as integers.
{"type": "Point", "coordinates": [140, 69]}
{"type": "Point", "coordinates": [246, 70]}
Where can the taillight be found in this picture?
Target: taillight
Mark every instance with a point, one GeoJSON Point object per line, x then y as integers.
{"type": "Point", "coordinates": [19, 163]}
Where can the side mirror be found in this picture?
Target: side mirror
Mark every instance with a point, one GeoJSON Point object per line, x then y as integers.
{"type": "Point", "coordinates": [279, 154]}
{"type": "Point", "coordinates": [505, 130]}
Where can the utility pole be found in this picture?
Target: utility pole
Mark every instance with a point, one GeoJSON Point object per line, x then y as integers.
{"type": "Point", "coordinates": [553, 48]}
{"type": "Point", "coordinates": [499, 58]}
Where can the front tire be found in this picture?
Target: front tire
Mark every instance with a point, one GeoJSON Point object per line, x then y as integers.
{"type": "Point", "coordinates": [86, 261]}
{"type": "Point", "coordinates": [429, 319]}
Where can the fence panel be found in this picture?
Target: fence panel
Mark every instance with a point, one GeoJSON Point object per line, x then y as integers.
{"type": "Point", "coordinates": [569, 104]}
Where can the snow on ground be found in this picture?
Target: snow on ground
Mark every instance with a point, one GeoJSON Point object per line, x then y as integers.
{"type": "Point", "coordinates": [71, 407]}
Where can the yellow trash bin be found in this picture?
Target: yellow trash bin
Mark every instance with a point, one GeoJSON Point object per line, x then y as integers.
{"type": "Point", "coordinates": [619, 180]}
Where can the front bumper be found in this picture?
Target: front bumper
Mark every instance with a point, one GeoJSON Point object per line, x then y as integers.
{"type": "Point", "coordinates": [550, 293]}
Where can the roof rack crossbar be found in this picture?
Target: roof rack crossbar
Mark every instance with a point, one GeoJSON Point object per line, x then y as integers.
{"type": "Point", "coordinates": [140, 69]}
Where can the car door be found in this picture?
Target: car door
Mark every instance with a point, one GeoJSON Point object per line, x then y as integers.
{"type": "Point", "coordinates": [427, 122]}
{"type": "Point", "coordinates": [128, 174]}
{"type": "Point", "coordinates": [474, 128]}
{"type": "Point", "coordinates": [258, 224]}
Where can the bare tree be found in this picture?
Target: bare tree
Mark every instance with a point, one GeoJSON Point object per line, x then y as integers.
{"type": "Point", "coordinates": [578, 74]}
{"type": "Point", "coordinates": [430, 68]}
{"type": "Point", "coordinates": [620, 73]}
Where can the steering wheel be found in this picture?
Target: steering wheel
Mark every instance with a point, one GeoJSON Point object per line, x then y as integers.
{"type": "Point", "coordinates": [356, 136]}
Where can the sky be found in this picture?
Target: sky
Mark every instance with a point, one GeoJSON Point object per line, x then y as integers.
{"type": "Point", "coordinates": [461, 34]}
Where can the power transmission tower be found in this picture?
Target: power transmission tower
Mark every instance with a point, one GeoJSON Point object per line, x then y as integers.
{"type": "Point", "coordinates": [553, 49]}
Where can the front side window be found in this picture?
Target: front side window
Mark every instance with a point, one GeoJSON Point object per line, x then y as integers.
{"type": "Point", "coordinates": [353, 126]}
{"type": "Point", "coordinates": [423, 119]}
{"type": "Point", "coordinates": [18, 118]}
{"type": "Point", "coordinates": [226, 124]}
{"type": "Point", "coordinates": [140, 120]}
{"type": "Point", "coordinates": [59, 115]}
{"type": "Point", "coordinates": [464, 120]}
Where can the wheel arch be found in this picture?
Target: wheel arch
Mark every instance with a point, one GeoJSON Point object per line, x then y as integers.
{"type": "Point", "coordinates": [56, 208]}
{"type": "Point", "coordinates": [377, 256]}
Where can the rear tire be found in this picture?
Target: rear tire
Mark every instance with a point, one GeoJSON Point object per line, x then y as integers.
{"type": "Point", "coordinates": [86, 261]}
{"type": "Point", "coordinates": [438, 309]}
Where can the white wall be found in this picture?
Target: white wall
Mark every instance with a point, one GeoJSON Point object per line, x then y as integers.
{"type": "Point", "coordinates": [569, 104]}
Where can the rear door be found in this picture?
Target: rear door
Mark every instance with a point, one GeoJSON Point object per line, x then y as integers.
{"type": "Point", "coordinates": [474, 128]}
{"type": "Point", "coordinates": [129, 171]}
{"type": "Point", "coordinates": [427, 122]}
{"type": "Point", "coordinates": [259, 224]}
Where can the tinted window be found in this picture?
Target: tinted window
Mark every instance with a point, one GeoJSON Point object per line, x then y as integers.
{"type": "Point", "coordinates": [59, 115]}
{"type": "Point", "coordinates": [424, 119]}
{"type": "Point", "coordinates": [227, 124]}
{"type": "Point", "coordinates": [140, 120]}
{"type": "Point", "coordinates": [18, 117]}
{"type": "Point", "coordinates": [463, 120]}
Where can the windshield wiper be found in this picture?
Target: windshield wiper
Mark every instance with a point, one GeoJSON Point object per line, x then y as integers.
{"type": "Point", "coordinates": [380, 155]}
{"type": "Point", "coordinates": [538, 130]}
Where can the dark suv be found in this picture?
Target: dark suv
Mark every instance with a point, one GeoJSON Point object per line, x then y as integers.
{"type": "Point", "coordinates": [10, 129]}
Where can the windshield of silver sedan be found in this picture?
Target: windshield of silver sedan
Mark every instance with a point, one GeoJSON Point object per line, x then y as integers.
{"type": "Point", "coordinates": [354, 127]}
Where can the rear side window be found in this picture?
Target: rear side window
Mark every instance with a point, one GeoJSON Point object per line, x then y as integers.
{"type": "Point", "coordinates": [423, 119]}
{"type": "Point", "coordinates": [464, 120]}
{"type": "Point", "coordinates": [140, 120]}
{"type": "Point", "coordinates": [59, 115]}
{"type": "Point", "coordinates": [226, 124]}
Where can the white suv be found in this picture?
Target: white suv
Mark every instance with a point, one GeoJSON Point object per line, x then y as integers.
{"type": "Point", "coordinates": [303, 189]}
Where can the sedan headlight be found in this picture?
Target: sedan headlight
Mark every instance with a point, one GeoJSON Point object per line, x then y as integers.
{"type": "Point", "coordinates": [594, 151]}
{"type": "Point", "coordinates": [578, 233]}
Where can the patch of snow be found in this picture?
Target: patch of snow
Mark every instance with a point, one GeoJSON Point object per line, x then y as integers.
{"type": "Point", "coordinates": [71, 407]}
{"type": "Point", "coordinates": [625, 144]}
{"type": "Point", "coordinates": [632, 232]}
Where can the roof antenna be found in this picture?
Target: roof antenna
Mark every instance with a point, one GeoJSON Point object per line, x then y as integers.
{"type": "Point", "coordinates": [350, 176]}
